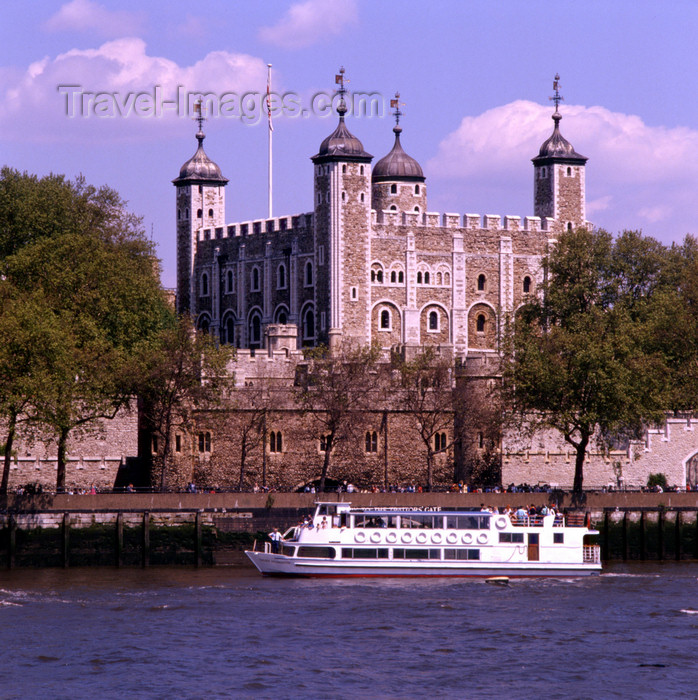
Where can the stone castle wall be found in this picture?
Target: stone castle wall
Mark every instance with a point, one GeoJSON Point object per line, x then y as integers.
{"type": "Point", "coordinates": [93, 459]}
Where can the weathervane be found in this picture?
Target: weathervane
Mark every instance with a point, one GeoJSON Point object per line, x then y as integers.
{"type": "Point", "coordinates": [199, 115]}
{"type": "Point", "coordinates": [341, 91]}
{"type": "Point", "coordinates": [557, 97]}
{"type": "Point", "coordinates": [395, 104]}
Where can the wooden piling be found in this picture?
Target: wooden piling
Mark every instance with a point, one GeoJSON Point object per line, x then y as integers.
{"type": "Point", "coordinates": [119, 539]}
{"type": "Point", "coordinates": [145, 544]}
{"type": "Point", "coordinates": [643, 539]}
{"type": "Point", "coordinates": [66, 540]}
{"type": "Point", "coordinates": [11, 541]}
{"type": "Point", "coordinates": [605, 554]}
{"type": "Point", "coordinates": [660, 535]}
{"type": "Point", "coordinates": [625, 536]}
{"type": "Point", "coordinates": [197, 538]}
{"type": "Point", "coordinates": [677, 536]}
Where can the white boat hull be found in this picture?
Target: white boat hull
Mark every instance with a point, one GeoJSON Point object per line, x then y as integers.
{"type": "Point", "coordinates": [281, 565]}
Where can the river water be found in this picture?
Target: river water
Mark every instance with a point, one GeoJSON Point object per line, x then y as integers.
{"type": "Point", "coordinates": [216, 633]}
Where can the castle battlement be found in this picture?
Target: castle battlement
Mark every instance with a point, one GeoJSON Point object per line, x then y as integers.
{"type": "Point", "coordinates": [470, 222]}
{"type": "Point", "coordinates": [278, 224]}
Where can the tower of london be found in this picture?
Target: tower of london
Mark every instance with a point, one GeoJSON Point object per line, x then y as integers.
{"type": "Point", "coordinates": [369, 262]}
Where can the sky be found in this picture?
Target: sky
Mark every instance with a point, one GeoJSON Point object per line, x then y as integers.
{"type": "Point", "coordinates": [105, 89]}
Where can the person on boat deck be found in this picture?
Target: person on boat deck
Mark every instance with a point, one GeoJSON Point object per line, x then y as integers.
{"type": "Point", "coordinates": [323, 524]}
{"type": "Point", "coordinates": [521, 514]}
{"type": "Point", "coordinates": [275, 538]}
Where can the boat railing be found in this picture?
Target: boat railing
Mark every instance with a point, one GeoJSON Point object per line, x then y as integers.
{"type": "Point", "coordinates": [591, 554]}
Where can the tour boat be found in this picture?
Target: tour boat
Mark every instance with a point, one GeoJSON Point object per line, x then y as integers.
{"type": "Point", "coordinates": [343, 541]}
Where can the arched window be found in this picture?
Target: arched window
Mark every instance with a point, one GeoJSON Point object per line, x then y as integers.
{"type": "Point", "coordinates": [400, 277]}
{"type": "Point", "coordinates": [309, 325]}
{"type": "Point", "coordinates": [210, 212]}
{"type": "Point", "coordinates": [447, 278]}
{"type": "Point", "coordinates": [308, 274]}
{"type": "Point", "coordinates": [344, 196]}
{"type": "Point", "coordinates": [282, 316]}
{"type": "Point", "coordinates": [481, 283]}
{"type": "Point", "coordinates": [275, 441]}
{"type": "Point", "coordinates": [393, 189]}
{"type": "Point", "coordinates": [569, 225]}
{"type": "Point", "coordinates": [179, 214]}
{"type": "Point", "coordinates": [439, 278]}
{"type": "Point", "coordinates": [393, 277]}
{"type": "Point", "coordinates": [344, 169]}
{"type": "Point", "coordinates": [255, 279]}
{"type": "Point", "coordinates": [361, 170]}
{"type": "Point", "coordinates": [204, 284]}
{"type": "Point", "coordinates": [379, 276]}
{"type": "Point", "coordinates": [393, 207]}
{"type": "Point", "coordinates": [255, 331]}
{"type": "Point", "coordinates": [433, 321]}
{"type": "Point", "coordinates": [439, 442]}
{"type": "Point", "coordinates": [419, 278]}
{"type": "Point", "coordinates": [204, 442]}
{"type": "Point", "coordinates": [371, 441]}
{"type": "Point", "coordinates": [385, 319]}
{"type": "Point", "coordinates": [204, 324]}
{"type": "Point", "coordinates": [199, 213]}
{"type": "Point", "coordinates": [186, 213]}
{"type": "Point", "coordinates": [526, 285]}
{"type": "Point", "coordinates": [569, 172]}
{"type": "Point", "coordinates": [361, 197]}
{"type": "Point", "coordinates": [229, 282]}
{"type": "Point", "coordinates": [426, 278]}
{"type": "Point", "coordinates": [416, 210]}
{"type": "Point", "coordinates": [281, 277]}
{"type": "Point", "coordinates": [480, 323]}
{"type": "Point", "coordinates": [416, 189]}
{"type": "Point", "coordinates": [229, 331]}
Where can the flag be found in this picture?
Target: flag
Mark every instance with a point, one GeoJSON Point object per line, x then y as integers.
{"type": "Point", "coordinates": [393, 104]}
{"type": "Point", "coordinates": [338, 79]}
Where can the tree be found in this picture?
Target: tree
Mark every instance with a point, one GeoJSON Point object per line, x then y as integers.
{"type": "Point", "coordinates": [333, 395]}
{"type": "Point", "coordinates": [426, 393]}
{"type": "Point", "coordinates": [581, 358]}
{"type": "Point", "coordinates": [89, 260]}
{"type": "Point", "coordinates": [179, 373]}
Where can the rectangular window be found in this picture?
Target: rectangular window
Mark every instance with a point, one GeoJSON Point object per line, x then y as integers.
{"type": "Point", "coordinates": [461, 554]}
{"type": "Point", "coordinates": [323, 321]}
{"type": "Point", "coordinates": [316, 552]}
{"type": "Point", "coordinates": [356, 553]}
{"type": "Point", "coordinates": [178, 443]}
{"type": "Point", "coordinates": [321, 255]}
{"type": "Point", "coordinates": [416, 553]}
{"type": "Point", "coordinates": [468, 522]}
{"type": "Point", "coordinates": [511, 537]}
{"type": "Point", "coordinates": [558, 538]}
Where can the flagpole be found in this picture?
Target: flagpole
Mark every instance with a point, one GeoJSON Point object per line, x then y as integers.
{"type": "Point", "coordinates": [270, 130]}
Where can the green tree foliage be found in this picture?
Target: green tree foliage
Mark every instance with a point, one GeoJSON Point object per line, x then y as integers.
{"type": "Point", "coordinates": [83, 264]}
{"type": "Point", "coordinates": [585, 357]}
{"type": "Point", "coordinates": [179, 372]}
{"type": "Point", "coordinates": [425, 392]}
{"type": "Point", "coordinates": [334, 393]}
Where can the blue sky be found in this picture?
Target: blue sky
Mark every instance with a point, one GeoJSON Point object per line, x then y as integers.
{"type": "Point", "coordinates": [474, 77]}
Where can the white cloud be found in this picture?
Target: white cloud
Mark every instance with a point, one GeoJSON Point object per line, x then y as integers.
{"type": "Point", "coordinates": [306, 23]}
{"type": "Point", "coordinates": [638, 176]}
{"type": "Point", "coordinates": [89, 16]}
{"type": "Point", "coordinates": [32, 107]}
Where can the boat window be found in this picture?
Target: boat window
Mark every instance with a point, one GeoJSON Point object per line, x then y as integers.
{"type": "Point", "coordinates": [558, 537]}
{"type": "Point", "coordinates": [468, 522]}
{"type": "Point", "coordinates": [386, 521]}
{"type": "Point", "coordinates": [416, 553]}
{"type": "Point", "coordinates": [316, 552]}
{"type": "Point", "coordinates": [421, 521]}
{"type": "Point", "coordinates": [356, 553]}
{"type": "Point", "coordinates": [288, 551]}
{"type": "Point", "coordinates": [511, 537]}
{"type": "Point", "coordinates": [461, 553]}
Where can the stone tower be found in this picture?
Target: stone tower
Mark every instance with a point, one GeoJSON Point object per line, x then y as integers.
{"type": "Point", "coordinates": [342, 224]}
{"type": "Point", "coordinates": [559, 177]}
{"type": "Point", "coordinates": [200, 204]}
